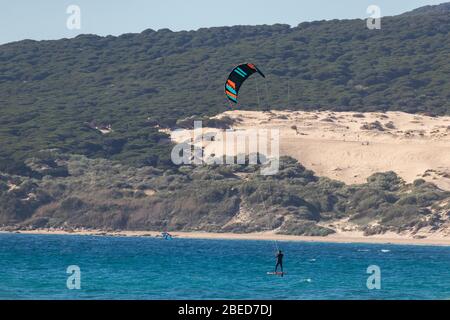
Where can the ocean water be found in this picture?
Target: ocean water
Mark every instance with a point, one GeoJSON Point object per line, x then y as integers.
{"type": "Point", "coordinates": [34, 267]}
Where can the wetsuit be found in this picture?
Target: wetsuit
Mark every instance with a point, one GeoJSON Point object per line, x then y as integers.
{"type": "Point", "coordinates": [279, 262]}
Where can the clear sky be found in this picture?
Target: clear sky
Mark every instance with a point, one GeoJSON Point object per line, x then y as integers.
{"type": "Point", "coordinates": [46, 19]}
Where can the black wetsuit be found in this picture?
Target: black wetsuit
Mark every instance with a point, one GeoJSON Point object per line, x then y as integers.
{"type": "Point", "coordinates": [279, 262]}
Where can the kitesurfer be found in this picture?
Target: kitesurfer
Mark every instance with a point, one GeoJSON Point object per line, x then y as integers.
{"type": "Point", "coordinates": [279, 257]}
{"type": "Point", "coordinates": [166, 235]}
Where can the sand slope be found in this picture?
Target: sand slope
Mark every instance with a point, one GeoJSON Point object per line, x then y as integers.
{"type": "Point", "coordinates": [349, 146]}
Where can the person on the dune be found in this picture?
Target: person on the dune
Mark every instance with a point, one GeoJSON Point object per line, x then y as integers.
{"type": "Point", "coordinates": [279, 261]}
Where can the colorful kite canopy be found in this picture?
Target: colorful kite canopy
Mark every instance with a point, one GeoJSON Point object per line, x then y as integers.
{"type": "Point", "coordinates": [237, 78]}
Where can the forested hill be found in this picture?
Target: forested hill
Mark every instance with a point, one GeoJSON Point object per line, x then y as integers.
{"type": "Point", "coordinates": [443, 8]}
{"type": "Point", "coordinates": [53, 92]}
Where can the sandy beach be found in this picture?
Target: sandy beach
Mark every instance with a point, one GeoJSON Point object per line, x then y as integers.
{"type": "Point", "coordinates": [340, 237]}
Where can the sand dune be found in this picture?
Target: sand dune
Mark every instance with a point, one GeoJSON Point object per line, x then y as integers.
{"type": "Point", "coordinates": [350, 146]}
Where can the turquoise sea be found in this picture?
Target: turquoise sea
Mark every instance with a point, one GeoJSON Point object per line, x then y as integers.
{"type": "Point", "coordinates": [34, 267]}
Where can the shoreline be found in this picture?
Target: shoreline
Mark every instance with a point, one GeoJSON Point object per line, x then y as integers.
{"type": "Point", "coordinates": [342, 237]}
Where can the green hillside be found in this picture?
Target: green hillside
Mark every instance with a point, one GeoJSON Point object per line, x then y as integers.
{"type": "Point", "coordinates": [101, 194]}
{"type": "Point", "coordinates": [51, 92]}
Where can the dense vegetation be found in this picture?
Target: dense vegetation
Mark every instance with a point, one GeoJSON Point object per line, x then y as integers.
{"type": "Point", "coordinates": [76, 191]}
{"type": "Point", "coordinates": [51, 92]}
{"type": "Point", "coordinates": [79, 121]}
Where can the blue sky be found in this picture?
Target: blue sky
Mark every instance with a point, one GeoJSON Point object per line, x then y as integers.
{"type": "Point", "coordinates": [46, 19]}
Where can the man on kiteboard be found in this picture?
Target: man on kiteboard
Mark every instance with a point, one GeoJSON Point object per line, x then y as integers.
{"type": "Point", "coordinates": [279, 261]}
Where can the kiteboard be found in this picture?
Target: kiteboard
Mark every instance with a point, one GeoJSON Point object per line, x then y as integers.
{"type": "Point", "coordinates": [276, 273]}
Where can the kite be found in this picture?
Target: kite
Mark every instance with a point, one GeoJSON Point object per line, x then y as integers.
{"type": "Point", "coordinates": [237, 77]}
